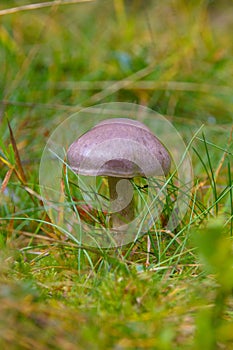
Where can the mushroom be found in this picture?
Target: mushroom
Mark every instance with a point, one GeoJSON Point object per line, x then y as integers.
{"type": "Point", "coordinates": [121, 149]}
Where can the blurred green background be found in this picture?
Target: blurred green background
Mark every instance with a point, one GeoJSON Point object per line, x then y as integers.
{"type": "Point", "coordinates": [172, 56]}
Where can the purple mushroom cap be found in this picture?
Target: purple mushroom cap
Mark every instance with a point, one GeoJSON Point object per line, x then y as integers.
{"type": "Point", "coordinates": [119, 147]}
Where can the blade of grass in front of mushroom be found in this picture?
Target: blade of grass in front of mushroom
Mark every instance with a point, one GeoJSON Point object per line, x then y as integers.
{"type": "Point", "coordinates": [85, 212]}
{"type": "Point", "coordinates": [148, 212]}
{"type": "Point", "coordinates": [80, 212]}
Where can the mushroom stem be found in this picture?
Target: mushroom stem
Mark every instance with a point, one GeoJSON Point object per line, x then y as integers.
{"type": "Point", "coordinates": [121, 196]}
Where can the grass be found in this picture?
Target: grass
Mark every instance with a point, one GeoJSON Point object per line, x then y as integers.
{"type": "Point", "coordinates": [170, 289]}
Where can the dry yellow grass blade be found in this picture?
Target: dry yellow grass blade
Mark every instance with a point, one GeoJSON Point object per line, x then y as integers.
{"type": "Point", "coordinates": [6, 180]}
{"type": "Point", "coordinates": [39, 5]}
{"type": "Point", "coordinates": [5, 161]}
{"type": "Point", "coordinates": [20, 172]}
